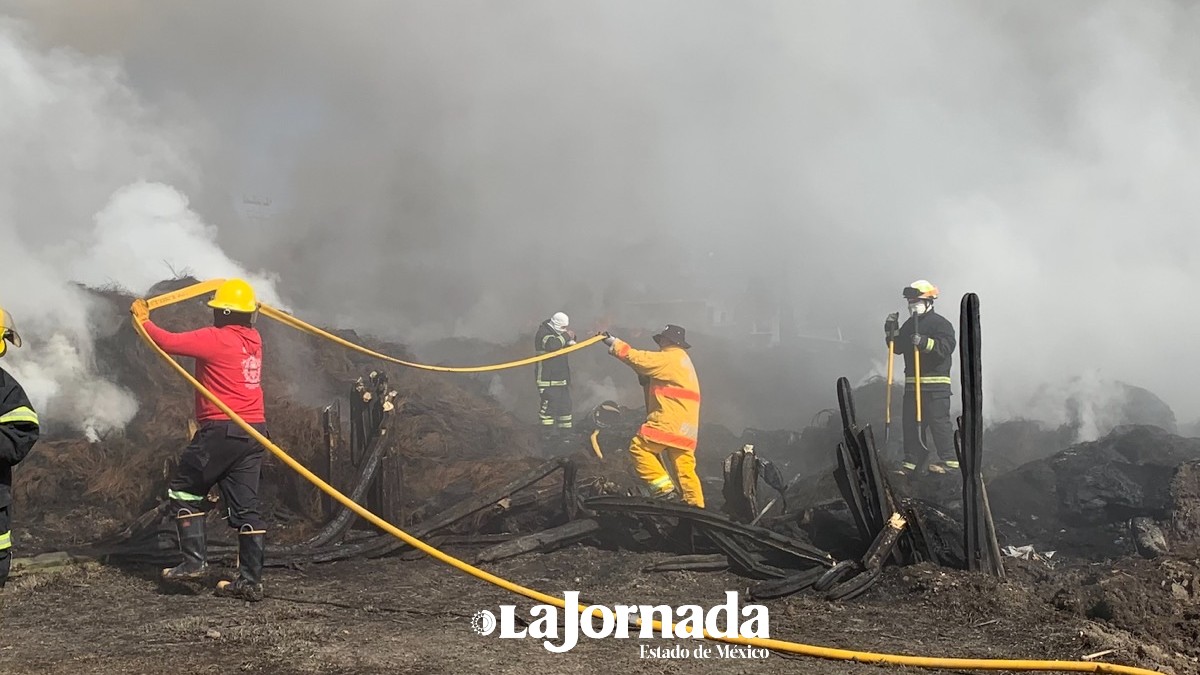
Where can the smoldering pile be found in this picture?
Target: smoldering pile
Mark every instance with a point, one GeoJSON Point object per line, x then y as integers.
{"type": "Point", "coordinates": [71, 490]}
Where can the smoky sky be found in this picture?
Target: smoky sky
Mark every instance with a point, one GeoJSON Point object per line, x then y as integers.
{"type": "Point", "coordinates": [466, 168]}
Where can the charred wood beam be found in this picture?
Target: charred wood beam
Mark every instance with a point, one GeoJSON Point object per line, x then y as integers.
{"type": "Point", "coordinates": [740, 488]}
{"type": "Point", "coordinates": [391, 480]}
{"type": "Point", "coordinates": [467, 508]}
{"type": "Point", "coordinates": [545, 540]}
{"type": "Point", "coordinates": [570, 491]}
{"type": "Point", "coordinates": [848, 483]}
{"type": "Point", "coordinates": [489, 498]}
{"type": "Point", "coordinates": [741, 559]}
{"type": "Point", "coordinates": [331, 421]}
{"type": "Point", "coordinates": [714, 562]}
{"type": "Point", "coordinates": [779, 588]}
{"type": "Point", "coordinates": [881, 549]}
{"type": "Point", "coordinates": [982, 549]}
{"type": "Point", "coordinates": [855, 587]}
{"type": "Point", "coordinates": [711, 521]}
{"type": "Point", "coordinates": [337, 528]}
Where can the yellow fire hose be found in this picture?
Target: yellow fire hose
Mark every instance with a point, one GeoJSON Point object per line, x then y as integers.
{"type": "Point", "coordinates": [772, 644]}
{"type": "Point", "coordinates": [595, 438]}
{"type": "Point", "coordinates": [282, 317]}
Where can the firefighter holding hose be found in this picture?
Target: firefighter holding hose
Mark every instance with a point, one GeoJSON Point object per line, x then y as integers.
{"type": "Point", "coordinates": [926, 340]}
{"type": "Point", "coordinates": [19, 430]}
{"type": "Point", "coordinates": [229, 363]}
{"type": "Point", "coordinates": [672, 414]}
{"type": "Point", "coordinates": [553, 378]}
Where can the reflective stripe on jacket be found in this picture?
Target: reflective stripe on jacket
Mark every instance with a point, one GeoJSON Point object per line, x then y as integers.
{"type": "Point", "coordinates": [672, 393]}
{"type": "Point", "coordinates": [937, 350]}
{"type": "Point", "coordinates": [19, 430]}
{"type": "Point", "coordinates": [551, 372]}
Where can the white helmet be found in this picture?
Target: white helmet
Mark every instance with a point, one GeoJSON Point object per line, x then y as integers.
{"type": "Point", "coordinates": [559, 321]}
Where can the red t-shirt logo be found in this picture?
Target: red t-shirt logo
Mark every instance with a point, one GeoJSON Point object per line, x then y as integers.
{"type": "Point", "coordinates": [252, 371]}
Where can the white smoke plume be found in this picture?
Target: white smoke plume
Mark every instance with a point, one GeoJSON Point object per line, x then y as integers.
{"type": "Point", "coordinates": [76, 206]}
{"type": "Point", "coordinates": [447, 169]}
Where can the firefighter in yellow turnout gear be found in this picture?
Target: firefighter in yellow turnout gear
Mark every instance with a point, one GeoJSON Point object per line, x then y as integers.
{"type": "Point", "coordinates": [672, 414]}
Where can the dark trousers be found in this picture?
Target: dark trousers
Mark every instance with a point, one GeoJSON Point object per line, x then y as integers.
{"type": "Point", "coordinates": [222, 454]}
{"type": "Point", "coordinates": [6, 551]}
{"type": "Point", "coordinates": [935, 415]}
{"type": "Point", "coordinates": [556, 407]}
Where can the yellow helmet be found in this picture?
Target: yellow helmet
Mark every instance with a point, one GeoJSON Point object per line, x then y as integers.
{"type": "Point", "coordinates": [921, 290]}
{"type": "Point", "coordinates": [234, 295]}
{"type": "Point", "coordinates": [8, 332]}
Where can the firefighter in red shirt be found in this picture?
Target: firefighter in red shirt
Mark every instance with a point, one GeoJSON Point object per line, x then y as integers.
{"type": "Point", "coordinates": [229, 364]}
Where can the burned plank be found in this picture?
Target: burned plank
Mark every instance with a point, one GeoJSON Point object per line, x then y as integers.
{"type": "Point", "coordinates": [743, 560]}
{"type": "Point", "coordinates": [327, 462]}
{"type": "Point", "coordinates": [740, 488]}
{"type": "Point", "coordinates": [802, 551]}
{"type": "Point", "coordinates": [335, 529]}
{"type": "Point", "coordinates": [469, 507]}
{"type": "Point", "coordinates": [861, 583]}
{"type": "Point", "coordinates": [703, 562]}
{"type": "Point", "coordinates": [787, 586]}
{"type": "Point", "coordinates": [570, 491]}
{"type": "Point", "coordinates": [545, 540]}
{"type": "Point", "coordinates": [982, 550]}
{"type": "Point", "coordinates": [846, 476]}
{"type": "Point", "coordinates": [391, 481]}
{"type": "Point", "coordinates": [881, 549]}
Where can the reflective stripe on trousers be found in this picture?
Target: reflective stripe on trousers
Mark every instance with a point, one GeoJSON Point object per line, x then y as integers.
{"type": "Point", "coordinates": [933, 379]}
{"type": "Point", "coordinates": [184, 496]}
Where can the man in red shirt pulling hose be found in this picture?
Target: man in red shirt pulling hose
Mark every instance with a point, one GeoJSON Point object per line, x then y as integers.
{"type": "Point", "coordinates": [229, 364]}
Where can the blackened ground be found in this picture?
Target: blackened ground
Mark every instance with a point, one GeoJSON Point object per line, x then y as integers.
{"type": "Point", "coordinates": [391, 616]}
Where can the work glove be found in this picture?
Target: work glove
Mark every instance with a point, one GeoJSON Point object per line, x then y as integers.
{"type": "Point", "coordinates": [608, 338]}
{"type": "Point", "coordinates": [570, 334]}
{"type": "Point", "coordinates": [140, 310]}
{"type": "Point", "coordinates": [920, 341]}
{"type": "Point", "coordinates": [892, 325]}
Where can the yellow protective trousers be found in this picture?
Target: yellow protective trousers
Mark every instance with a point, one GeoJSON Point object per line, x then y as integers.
{"type": "Point", "coordinates": [650, 460]}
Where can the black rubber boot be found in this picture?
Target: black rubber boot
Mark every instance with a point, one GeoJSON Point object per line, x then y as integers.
{"type": "Point", "coordinates": [190, 528]}
{"type": "Point", "coordinates": [671, 495]}
{"type": "Point", "coordinates": [251, 551]}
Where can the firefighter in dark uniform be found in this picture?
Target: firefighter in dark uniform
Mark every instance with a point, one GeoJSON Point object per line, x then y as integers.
{"type": "Point", "coordinates": [554, 376]}
{"type": "Point", "coordinates": [18, 432]}
{"type": "Point", "coordinates": [933, 335]}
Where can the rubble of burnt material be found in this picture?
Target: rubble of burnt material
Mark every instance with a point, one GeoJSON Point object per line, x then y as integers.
{"type": "Point", "coordinates": [72, 490]}
{"type": "Point", "coordinates": [1082, 500]}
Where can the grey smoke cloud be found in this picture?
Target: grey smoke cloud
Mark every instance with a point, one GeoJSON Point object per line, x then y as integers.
{"type": "Point", "coordinates": [464, 169]}
{"type": "Point", "coordinates": [75, 208]}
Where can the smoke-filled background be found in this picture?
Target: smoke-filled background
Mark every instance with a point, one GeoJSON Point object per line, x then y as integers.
{"type": "Point", "coordinates": [425, 171]}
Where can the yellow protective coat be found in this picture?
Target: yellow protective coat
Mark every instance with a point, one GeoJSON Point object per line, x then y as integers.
{"type": "Point", "coordinates": [672, 420]}
{"type": "Point", "coordinates": [672, 396]}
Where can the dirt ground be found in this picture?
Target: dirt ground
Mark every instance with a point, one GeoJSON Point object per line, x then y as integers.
{"type": "Point", "coordinates": [396, 616]}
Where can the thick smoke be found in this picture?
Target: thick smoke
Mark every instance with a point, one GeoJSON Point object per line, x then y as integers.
{"type": "Point", "coordinates": [465, 169]}
{"type": "Point", "coordinates": [75, 208]}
